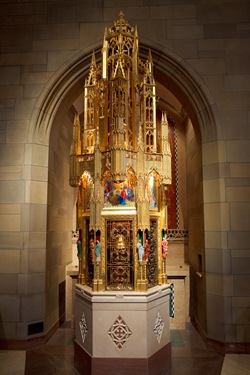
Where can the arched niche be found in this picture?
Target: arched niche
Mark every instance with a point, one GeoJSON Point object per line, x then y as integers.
{"type": "Point", "coordinates": [176, 81]}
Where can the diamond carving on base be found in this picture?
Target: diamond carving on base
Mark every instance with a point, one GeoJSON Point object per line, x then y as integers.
{"type": "Point", "coordinates": [158, 328]}
{"type": "Point", "coordinates": [83, 327]}
{"type": "Point", "coordinates": [119, 332]}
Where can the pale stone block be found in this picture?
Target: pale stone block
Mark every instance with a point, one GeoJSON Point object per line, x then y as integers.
{"type": "Point", "coordinates": [17, 131]}
{"type": "Point", "coordinates": [8, 283]}
{"type": "Point", "coordinates": [130, 14]}
{"type": "Point", "coordinates": [11, 191]}
{"type": "Point", "coordinates": [214, 190]}
{"type": "Point", "coordinates": [10, 209]}
{"type": "Point", "coordinates": [35, 78]}
{"type": "Point", "coordinates": [10, 75]}
{"type": "Point", "coordinates": [238, 62]}
{"type": "Point", "coordinates": [36, 313]}
{"type": "Point", "coordinates": [6, 114]}
{"type": "Point", "coordinates": [241, 301]}
{"type": "Point", "coordinates": [229, 333]}
{"type": "Point", "coordinates": [23, 8]}
{"type": "Point", "coordinates": [220, 31]}
{"type": "Point", "coordinates": [38, 218]}
{"type": "Point", "coordinates": [219, 309]}
{"type": "Point", "coordinates": [31, 283]}
{"type": "Point", "coordinates": [233, 101]}
{"type": "Point", "coordinates": [173, 12]}
{"type": "Point", "coordinates": [243, 334]}
{"type": "Point", "coordinates": [152, 30]}
{"type": "Point", "coordinates": [24, 261]}
{"type": "Point", "coordinates": [216, 240]}
{"type": "Point", "coordinates": [8, 157]}
{"type": "Point", "coordinates": [11, 91]}
{"type": "Point", "coordinates": [32, 91]}
{"type": "Point", "coordinates": [238, 194]}
{"type": "Point", "coordinates": [240, 266]}
{"type": "Point", "coordinates": [37, 261]}
{"type": "Point", "coordinates": [35, 173]}
{"type": "Point", "coordinates": [218, 261]}
{"type": "Point", "coordinates": [239, 253]}
{"type": "Point", "coordinates": [241, 315]}
{"type": "Point", "coordinates": [240, 169]}
{"type": "Point", "coordinates": [10, 306]}
{"type": "Point", "coordinates": [55, 45]}
{"type": "Point", "coordinates": [58, 58]}
{"type": "Point", "coordinates": [238, 240]}
{"type": "Point", "coordinates": [11, 240]}
{"type": "Point", "coordinates": [216, 217]}
{"type": "Point", "coordinates": [220, 285]}
{"type": "Point", "coordinates": [50, 319]}
{"type": "Point", "coordinates": [241, 285]}
{"type": "Point", "coordinates": [214, 152]}
{"type": "Point", "coordinates": [16, 35]}
{"type": "Point", "coordinates": [186, 49]}
{"type": "Point", "coordinates": [35, 240]}
{"type": "Point", "coordinates": [10, 223]}
{"type": "Point", "coordinates": [21, 330]}
{"type": "Point", "coordinates": [56, 31]}
{"type": "Point", "coordinates": [238, 151]}
{"type": "Point", "coordinates": [66, 256]}
{"type": "Point", "coordinates": [213, 81]}
{"type": "Point", "coordinates": [90, 33]}
{"type": "Point", "coordinates": [211, 55]}
{"type": "Point", "coordinates": [36, 192]}
{"type": "Point", "coordinates": [10, 176]}
{"type": "Point", "coordinates": [23, 58]}
{"type": "Point", "coordinates": [237, 83]}
{"type": "Point", "coordinates": [24, 108]}
{"type": "Point", "coordinates": [38, 153]}
{"type": "Point", "coordinates": [215, 171]}
{"type": "Point", "coordinates": [10, 261]}
{"type": "Point", "coordinates": [209, 66]}
{"type": "Point", "coordinates": [211, 45]}
{"type": "Point", "coordinates": [229, 119]}
{"type": "Point", "coordinates": [183, 32]}
{"type": "Point", "coordinates": [239, 216]}
{"type": "Point", "coordinates": [8, 329]}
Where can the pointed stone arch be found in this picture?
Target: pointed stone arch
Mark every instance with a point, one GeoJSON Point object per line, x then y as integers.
{"type": "Point", "coordinates": [54, 104]}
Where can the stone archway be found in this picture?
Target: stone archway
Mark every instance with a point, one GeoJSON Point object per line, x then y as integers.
{"type": "Point", "coordinates": [50, 133]}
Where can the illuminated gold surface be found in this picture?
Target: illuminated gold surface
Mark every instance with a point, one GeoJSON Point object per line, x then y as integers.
{"type": "Point", "coordinates": [120, 148]}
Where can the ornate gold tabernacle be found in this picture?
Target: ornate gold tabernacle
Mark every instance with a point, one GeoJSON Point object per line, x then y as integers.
{"type": "Point", "coordinates": [120, 161]}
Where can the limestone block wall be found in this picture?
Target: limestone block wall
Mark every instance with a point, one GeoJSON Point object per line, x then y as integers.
{"type": "Point", "coordinates": [43, 45]}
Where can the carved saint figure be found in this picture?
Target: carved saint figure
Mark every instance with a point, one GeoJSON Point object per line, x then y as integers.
{"type": "Point", "coordinates": [92, 249]}
{"type": "Point", "coordinates": [164, 247]}
{"type": "Point", "coordinates": [146, 250]}
{"type": "Point", "coordinates": [79, 244]}
{"type": "Point", "coordinates": [98, 251]}
{"type": "Point", "coordinates": [140, 249]}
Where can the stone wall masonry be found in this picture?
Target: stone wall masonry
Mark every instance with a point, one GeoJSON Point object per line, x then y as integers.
{"type": "Point", "coordinates": [40, 38]}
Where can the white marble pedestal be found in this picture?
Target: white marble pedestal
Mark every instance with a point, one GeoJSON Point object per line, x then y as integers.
{"type": "Point", "coordinates": [122, 332]}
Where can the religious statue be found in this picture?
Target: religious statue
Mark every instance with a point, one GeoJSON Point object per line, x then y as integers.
{"type": "Point", "coordinates": [98, 251]}
{"type": "Point", "coordinates": [164, 247]}
{"type": "Point", "coordinates": [92, 249]}
{"type": "Point", "coordinates": [79, 244]}
{"type": "Point", "coordinates": [140, 249]}
{"type": "Point", "coordinates": [146, 250]}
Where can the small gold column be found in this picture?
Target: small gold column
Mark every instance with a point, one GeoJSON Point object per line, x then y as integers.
{"type": "Point", "coordinates": [80, 276]}
{"type": "Point", "coordinates": [97, 284]}
{"type": "Point", "coordinates": [142, 282]}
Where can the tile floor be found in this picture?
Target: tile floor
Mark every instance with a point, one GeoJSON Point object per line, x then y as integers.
{"type": "Point", "coordinates": [189, 357]}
